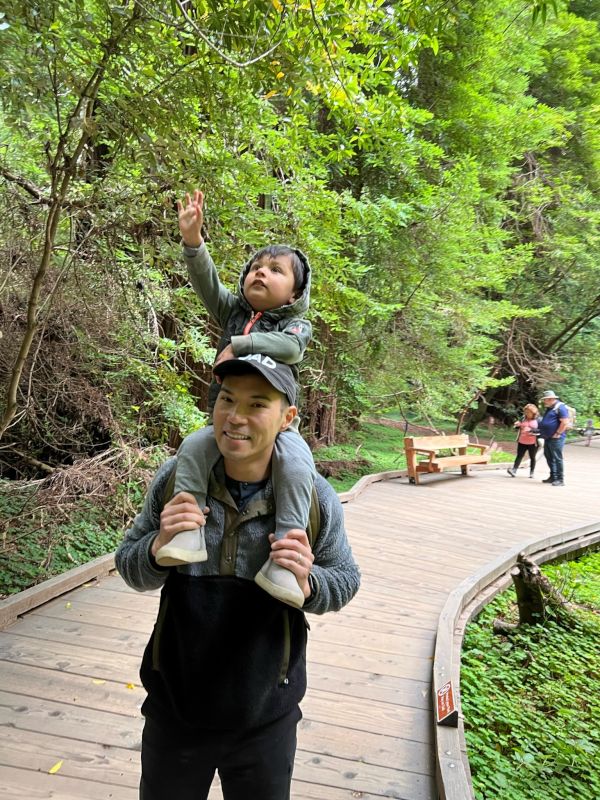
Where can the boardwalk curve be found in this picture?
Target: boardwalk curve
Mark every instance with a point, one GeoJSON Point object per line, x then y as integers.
{"type": "Point", "coordinates": [69, 689]}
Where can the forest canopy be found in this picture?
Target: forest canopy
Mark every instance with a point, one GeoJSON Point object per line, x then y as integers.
{"type": "Point", "coordinates": [439, 164]}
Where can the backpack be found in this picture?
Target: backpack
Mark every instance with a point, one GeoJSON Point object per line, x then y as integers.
{"type": "Point", "coordinates": [314, 514]}
{"type": "Point", "coordinates": [572, 416]}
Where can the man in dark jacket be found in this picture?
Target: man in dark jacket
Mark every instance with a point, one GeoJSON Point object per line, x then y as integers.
{"type": "Point", "coordinates": [225, 667]}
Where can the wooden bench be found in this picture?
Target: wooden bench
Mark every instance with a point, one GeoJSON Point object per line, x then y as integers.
{"type": "Point", "coordinates": [430, 446]}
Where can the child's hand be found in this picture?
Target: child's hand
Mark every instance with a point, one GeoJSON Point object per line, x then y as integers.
{"type": "Point", "coordinates": [191, 219]}
{"type": "Point", "coordinates": [226, 354]}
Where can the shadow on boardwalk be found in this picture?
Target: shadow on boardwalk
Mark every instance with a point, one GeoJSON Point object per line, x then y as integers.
{"type": "Point", "coordinates": [70, 693]}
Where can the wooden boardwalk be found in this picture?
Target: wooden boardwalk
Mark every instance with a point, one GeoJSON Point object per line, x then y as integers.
{"type": "Point", "coordinates": [69, 686]}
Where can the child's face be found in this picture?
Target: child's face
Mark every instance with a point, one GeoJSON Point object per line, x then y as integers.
{"type": "Point", "coordinates": [270, 283]}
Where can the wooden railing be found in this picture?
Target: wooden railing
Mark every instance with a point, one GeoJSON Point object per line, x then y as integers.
{"type": "Point", "coordinates": [463, 603]}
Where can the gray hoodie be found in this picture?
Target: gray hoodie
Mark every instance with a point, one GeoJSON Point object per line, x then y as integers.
{"type": "Point", "coordinates": [288, 333]}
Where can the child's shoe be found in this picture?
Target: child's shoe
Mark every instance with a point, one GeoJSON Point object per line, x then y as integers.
{"type": "Point", "coordinates": [187, 547]}
{"type": "Point", "coordinates": [280, 583]}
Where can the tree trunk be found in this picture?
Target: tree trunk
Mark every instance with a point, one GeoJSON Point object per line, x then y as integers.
{"type": "Point", "coordinates": [534, 593]}
{"type": "Point", "coordinates": [62, 169]}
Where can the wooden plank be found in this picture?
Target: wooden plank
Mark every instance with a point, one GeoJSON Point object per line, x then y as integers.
{"type": "Point", "coordinates": [451, 461]}
{"type": "Point", "coordinates": [69, 658]}
{"type": "Point", "coordinates": [13, 607]}
{"type": "Point", "coordinates": [356, 777]}
{"type": "Point", "coordinates": [436, 442]}
{"type": "Point", "coordinates": [316, 791]}
{"type": "Point", "coordinates": [370, 662]}
{"type": "Point", "coordinates": [117, 697]}
{"type": "Point", "coordinates": [110, 766]}
{"type": "Point", "coordinates": [362, 746]}
{"type": "Point", "coordinates": [129, 600]}
{"type": "Point", "coordinates": [402, 722]}
{"type": "Point", "coordinates": [21, 784]}
{"type": "Point", "coordinates": [368, 686]}
{"type": "Point", "coordinates": [374, 642]}
{"type": "Point", "coordinates": [84, 724]}
{"type": "Point", "coordinates": [85, 761]}
{"type": "Point", "coordinates": [91, 614]}
{"type": "Point", "coordinates": [96, 636]}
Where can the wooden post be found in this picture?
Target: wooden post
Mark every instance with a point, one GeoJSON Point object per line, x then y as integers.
{"type": "Point", "coordinates": [411, 461]}
{"type": "Point", "coordinates": [462, 451]}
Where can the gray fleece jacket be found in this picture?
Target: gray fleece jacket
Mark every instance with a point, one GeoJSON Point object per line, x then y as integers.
{"type": "Point", "coordinates": [224, 654]}
{"type": "Point", "coordinates": [281, 333]}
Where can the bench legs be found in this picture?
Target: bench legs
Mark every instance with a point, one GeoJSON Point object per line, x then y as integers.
{"type": "Point", "coordinates": [411, 464]}
{"type": "Point", "coordinates": [462, 451]}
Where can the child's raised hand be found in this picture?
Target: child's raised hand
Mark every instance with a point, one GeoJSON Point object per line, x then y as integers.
{"type": "Point", "coordinates": [191, 218]}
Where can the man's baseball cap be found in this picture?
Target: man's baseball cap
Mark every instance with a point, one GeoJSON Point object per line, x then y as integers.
{"type": "Point", "coordinates": [279, 375]}
{"type": "Point", "coordinates": [549, 395]}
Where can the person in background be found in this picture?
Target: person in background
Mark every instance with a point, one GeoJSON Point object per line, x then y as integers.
{"type": "Point", "coordinates": [527, 440]}
{"type": "Point", "coordinates": [552, 428]}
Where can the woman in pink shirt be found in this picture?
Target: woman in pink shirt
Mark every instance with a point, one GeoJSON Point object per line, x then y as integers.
{"type": "Point", "coordinates": [527, 441]}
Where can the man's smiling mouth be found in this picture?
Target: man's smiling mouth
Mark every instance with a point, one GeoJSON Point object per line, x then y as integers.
{"type": "Point", "coordinates": [237, 436]}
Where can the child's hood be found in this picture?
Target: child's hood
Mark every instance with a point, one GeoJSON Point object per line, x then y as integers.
{"type": "Point", "coordinates": [296, 309]}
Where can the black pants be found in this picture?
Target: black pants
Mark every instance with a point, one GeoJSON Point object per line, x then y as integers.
{"type": "Point", "coordinates": [252, 765]}
{"type": "Point", "coordinates": [526, 448]}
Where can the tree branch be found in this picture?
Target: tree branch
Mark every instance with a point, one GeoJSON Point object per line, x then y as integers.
{"type": "Point", "coordinates": [224, 56]}
{"type": "Point", "coordinates": [29, 187]}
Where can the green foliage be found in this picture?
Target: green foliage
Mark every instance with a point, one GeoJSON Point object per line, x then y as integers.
{"type": "Point", "coordinates": [439, 165]}
{"type": "Point", "coordinates": [42, 553]}
{"type": "Point", "coordinates": [71, 517]}
{"type": "Point", "coordinates": [531, 701]}
{"type": "Point", "coordinates": [378, 448]}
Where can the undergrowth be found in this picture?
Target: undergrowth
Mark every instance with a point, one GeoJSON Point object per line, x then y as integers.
{"type": "Point", "coordinates": [378, 448]}
{"type": "Point", "coordinates": [73, 516]}
{"type": "Point", "coordinates": [531, 701]}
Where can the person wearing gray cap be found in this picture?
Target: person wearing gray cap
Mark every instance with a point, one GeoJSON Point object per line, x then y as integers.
{"type": "Point", "coordinates": [552, 429]}
{"type": "Point", "coordinates": [225, 666]}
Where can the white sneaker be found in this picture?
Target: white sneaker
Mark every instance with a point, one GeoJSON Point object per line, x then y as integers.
{"type": "Point", "coordinates": [280, 583]}
{"type": "Point", "coordinates": [187, 547]}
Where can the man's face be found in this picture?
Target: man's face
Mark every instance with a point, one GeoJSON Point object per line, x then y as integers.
{"type": "Point", "coordinates": [248, 415]}
{"type": "Point", "coordinates": [549, 401]}
{"type": "Point", "coordinates": [270, 283]}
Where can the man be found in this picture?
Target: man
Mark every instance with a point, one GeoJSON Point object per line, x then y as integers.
{"type": "Point", "coordinates": [552, 429]}
{"type": "Point", "coordinates": [225, 666]}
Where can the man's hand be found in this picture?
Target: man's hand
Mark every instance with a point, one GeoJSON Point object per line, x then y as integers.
{"type": "Point", "coordinates": [294, 553]}
{"type": "Point", "coordinates": [191, 218]}
{"type": "Point", "coordinates": [182, 513]}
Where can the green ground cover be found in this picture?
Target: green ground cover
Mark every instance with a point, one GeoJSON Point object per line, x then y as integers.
{"type": "Point", "coordinates": [532, 700]}
{"type": "Point", "coordinates": [77, 514]}
{"type": "Point", "coordinates": [375, 448]}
